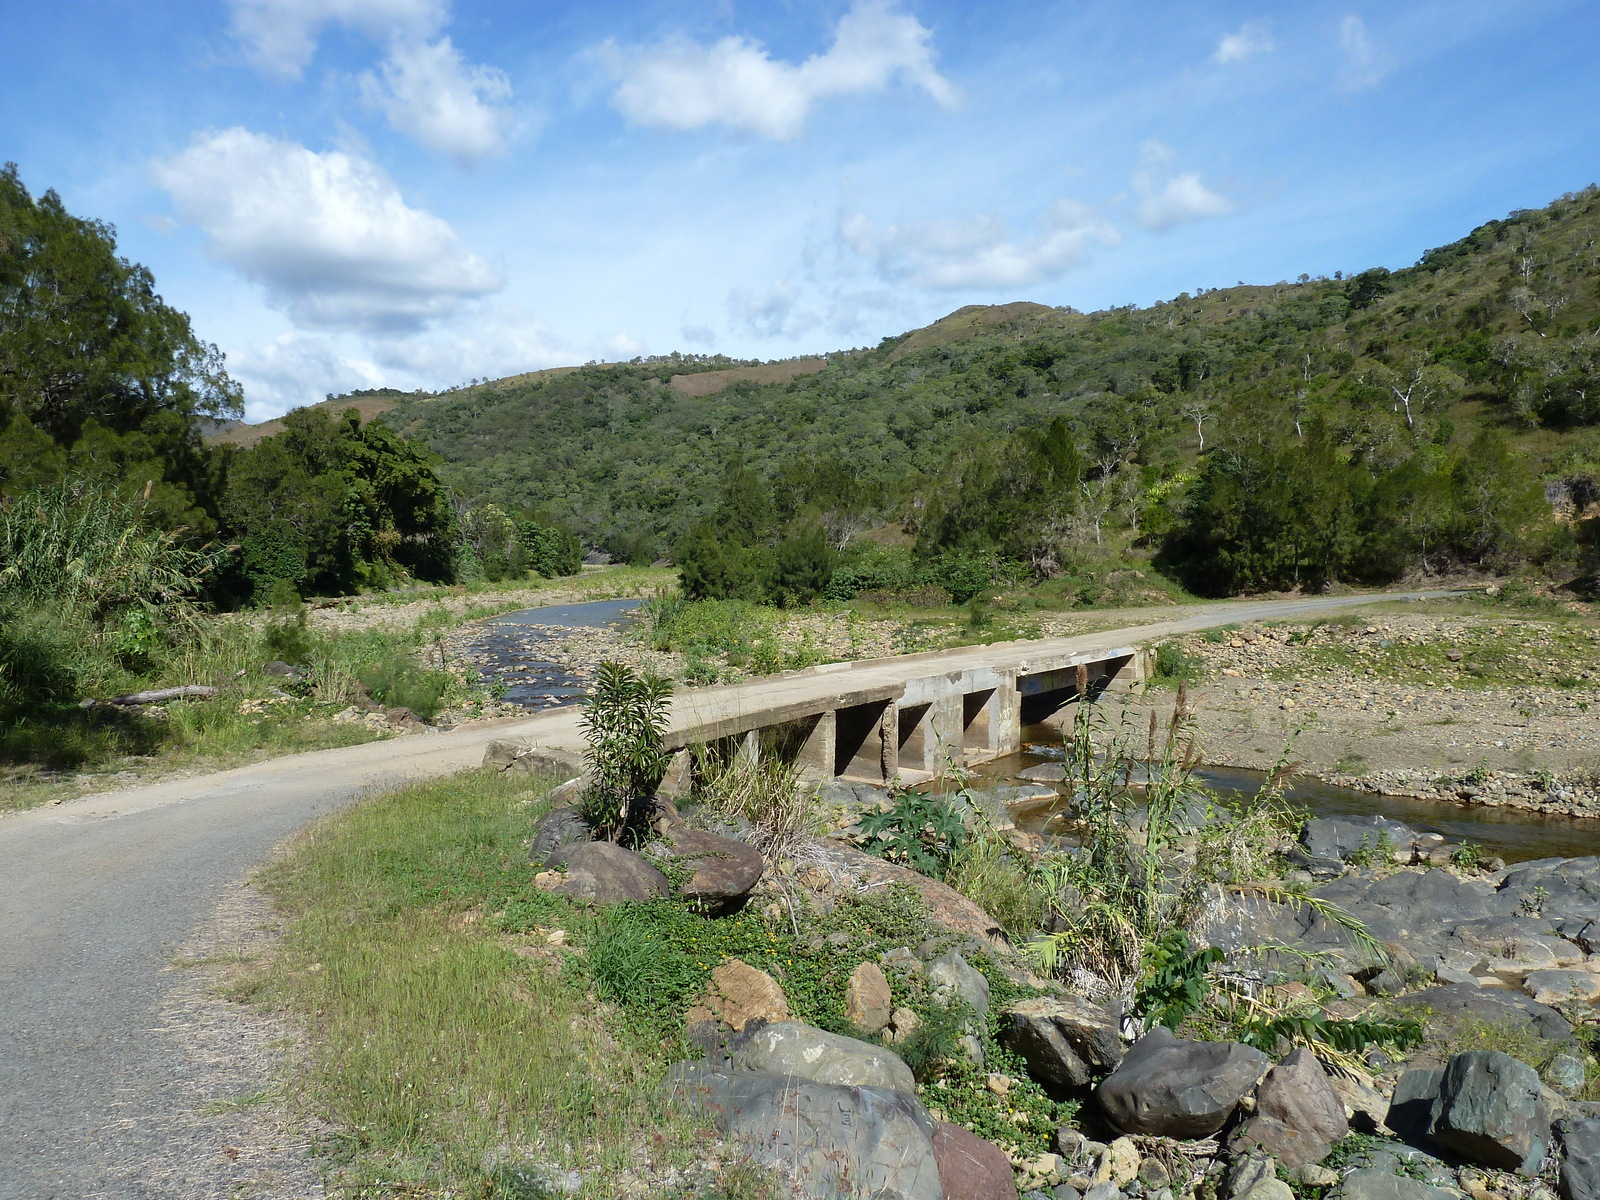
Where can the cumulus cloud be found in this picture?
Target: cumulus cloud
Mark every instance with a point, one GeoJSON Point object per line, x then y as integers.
{"type": "Point", "coordinates": [328, 235]}
{"type": "Point", "coordinates": [280, 36]}
{"type": "Point", "coordinates": [1167, 201]}
{"type": "Point", "coordinates": [1249, 40]}
{"type": "Point", "coordinates": [681, 84]}
{"type": "Point", "coordinates": [497, 341]}
{"type": "Point", "coordinates": [979, 252]}
{"type": "Point", "coordinates": [1365, 64]}
{"type": "Point", "coordinates": [428, 92]}
{"type": "Point", "coordinates": [295, 369]}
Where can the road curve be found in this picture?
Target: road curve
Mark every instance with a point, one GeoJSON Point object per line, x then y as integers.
{"type": "Point", "coordinates": [96, 894]}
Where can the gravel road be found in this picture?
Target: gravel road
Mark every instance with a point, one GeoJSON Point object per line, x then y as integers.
{"type": "Point", "coordinates": [99, 895]}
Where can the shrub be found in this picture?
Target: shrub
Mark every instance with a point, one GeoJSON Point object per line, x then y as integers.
{"type": "Point", "coordinates": [400, 683]}
{"type": "Point", "coordinates": [918, 829]}
{"type": "Point", "coordinates": [1174, 662]}
{"type": "Point", "coordinates": [623, 722]}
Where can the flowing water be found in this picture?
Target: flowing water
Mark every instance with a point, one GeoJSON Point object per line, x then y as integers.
{"type": "Point", "coordinates": [513, 649]}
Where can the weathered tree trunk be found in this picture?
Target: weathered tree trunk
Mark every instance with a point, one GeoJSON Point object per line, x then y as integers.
{"type": "Point", "coordinates": [193, 691]}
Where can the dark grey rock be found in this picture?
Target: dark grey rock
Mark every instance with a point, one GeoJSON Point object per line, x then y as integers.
{"type": "Point", "coordinates": [1247, 1171]}
{"type": "Point", "coordinates": [1559, 888]}
{"type": "Point", "coordinates": [1375, 1183]}
{"type": "Point", "coordinates": [1103, 1191]}
{"type": "Point", "coordinates": [1491, 1110]}
{"type": "Point", "coordinates": [556, 830]}
{"type": "Point", "coordinates": [1172, 1087]}
{"type": "Point", "coordinates": [1411, 1106]}
{"type": "Point", "coordinates": [605, 873]}
{"type": "Point", "coordinates": [1580, 1166]}
{"type": "Point", "coordinates": [793, 1048]}
{"type": "Point", "coordinates": [827, 1140]}
{"type": "Point", "coordinates": [1340, 837]}
{"type": "Point", "coordinates": [1566, 1073]}
{"type": "Point", "coordinates": [1494, 1006]}
{"type": "Point", "coordinates": [1065, 1041]}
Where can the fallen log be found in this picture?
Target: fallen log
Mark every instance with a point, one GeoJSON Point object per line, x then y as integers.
{"type": "Point", "coordinates": [192, 691]}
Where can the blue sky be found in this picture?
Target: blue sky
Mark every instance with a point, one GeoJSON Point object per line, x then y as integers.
{"type": "Point", "coordinates": [412, 193]}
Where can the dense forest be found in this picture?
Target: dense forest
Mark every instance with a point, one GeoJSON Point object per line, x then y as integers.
{"type": "Point", "coordinates": [1356, 428]}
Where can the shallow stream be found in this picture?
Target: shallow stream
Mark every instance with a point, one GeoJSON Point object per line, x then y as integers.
{"type": "Point", "coordinates": [513, 648]}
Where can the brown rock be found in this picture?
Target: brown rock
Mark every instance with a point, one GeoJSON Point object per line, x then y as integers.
{"type": "Point", "coordinates": [971, 1168]}
{"type": "Point", "coordinates": [867, 1002]}
{"type": "Point", "coordinates": [605, 873]}
{"type": "Point", "coordinates": [724, 870]}
{"type": "Point", "coordinates": [737, 994]}
{"type": "Point", "coordinates": [1298, 1116]}
{"type": "Point", "coordinates": [947, 908]}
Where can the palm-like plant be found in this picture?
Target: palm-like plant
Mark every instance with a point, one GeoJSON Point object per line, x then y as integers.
{"type": "Point", "coordinates": [624, 721]}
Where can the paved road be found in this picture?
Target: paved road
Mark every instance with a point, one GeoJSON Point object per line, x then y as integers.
{"type": "Point", "coordinates": [96, 893]}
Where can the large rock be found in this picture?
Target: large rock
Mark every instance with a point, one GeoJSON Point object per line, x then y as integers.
{"type": "Point", "coordinates": [1410, 1116]}
{"type": "Point", "coordinates": [1375, 1183]}
{"type": "Point", "coordinates": [1491, 1110]}
{"type": "Point", "coordinates": [1298, 1116]}
{"type": "Point", "coordinates": [1580, 1168]}
{"type": "Point", "coordinates": [947, 908]}
{"type": "Point", "coordinates": [736, 995]}
{"type": "Point", "coordinates": [1563, 987]}
{"type": "Point", "coordinates": [826, 1140]}
{"type": "Point", "coordinates": [951, 977]}
{"type": "Point", "coordinates": [791, 1048]}
{"type": "Point", "coordinates": [505, 755]}
{"type": "Point", "coordinates": [724, 870]}
{"type": "Point", "coordinates": [1065, 1041]}
{"type": "Point", "coordinates": [971, 1168]}
{"type": "Point", "coordinates": [868, 1003]}
{"type": "Point", "coordinates": [555, 831]}
{"type": "Point", "coordinates": [1493, 1006]}
{"type": "Point", "coordinates": [1167, 1086]}
{"type": "Point", "coordinates": [1341, 837]}
{"type": "Point", "coordinates": [605, 873]}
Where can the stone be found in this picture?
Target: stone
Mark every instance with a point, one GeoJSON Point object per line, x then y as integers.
{"type": "Point", "coordinates": [1491, 1110]}
{"type": "Point", "coordinates": [825, 1140]}
{"type": "Point", "coordinates": [506, 755]}
{"type": "Point", "coordinates": [1167, 1086]}
{"type": "Point", "coordinates": [1493, 1006]}
{"type": "Point", "coordinates": [867, 1002]}
{"type": "Point", "coordinates": [1153, 1174]}
{"type": "Point", "coordinates": [1044, 773]}
{"type": "Point", "coordinates": [946, 908]}
{"type": "Point", "coordinates": [1247, 1171]}
{"type": "Point", "coordinates": [1122, 1161]}
{"type": "Point", "coordinates": [1562, 987]}
{"type": "Point", "coordinates": [604, 873]}
{"type": "Point", "coordinates": [678, 780]}
{"type": "Point", "coordinates": [904, 1023]}
{"type": "Point", "coordinates": [792, 1048]}
{"type": "Point", "coordinates": [1410, 1115]}
{"type": "Point", "coordinates": [1566, 1072]}
{"type": "Point", "coordinates": [1268, 1189]}
{"type": "Point", "coordinates": [1365, 1106]}
{"type": "Point", "coordinates": [1315, 1176]}
{"type": "Point", "coordinates": [1064, 1040]}
{"type": "Point", "coordinates": [724, 870]}
{"type": "Point", "coordinates": [1344, 837]}
{"type": "Point", "coordinates": [1065, 1191]}
{"type": "Point", "coordinates": [1375, 1183]}
{"type": "Point", "coordinates": [1580, 1166]}
{"type": "Point", "coordinates": [1103, 1191]}
{"type": "Point", "coordinates": [1298, 1116]}
{"type": "Point", "coordinates": [738, 994]}
{"type": "Point", "coordinates": [556, 830]}
{"type": "Point", "coordinates": [951, 977]}
{"type": "Point", "coordinates": [969, 1167]}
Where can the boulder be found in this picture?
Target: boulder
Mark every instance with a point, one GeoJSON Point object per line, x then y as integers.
{"type": "Point", "coordinates": [724, 870]}
{"type": "Point", "coordinates": [947, 908]}
{"type": "Point", "coordinates": [971, 1168]}
{"type": "Point", "coordinates": [1044, 773]}
{"type": "Point", "coordinates": [1168, 1086]}
{"type": "Point", "coordinates": [736, 995]}
{"type": "Point", "coordinates": [1268, 1189]}
{"type": "Point", "coordinates": [1340, 837]}
{"type": "Point", "coordinates": [1410, 1116]}
{"type": "Point", "coordinates": [605, 873]}
{"type": "Point", "coordinates": [1491, 1110]}
{"type": "Point", "coordinates": [1493, 1006]}
{"type": "Point", "coordinates": [791, 1048]}
{"type": "Point", "coordinates": [556, 830]}
{"type": "Point", "coordinates": [1367, 1106]}
{"type": "Point", "coordinates": [868, 1004]}
{"type": "Point", "coordinates": [1580, 1168]}
{"type": "Point", "coordinates": [826, 1140]}
{"type": "Point", "coordinates": [1065, 1041]}
{"type": "Point", "coordinates": [1562, 987]}
{"type": "Point", "coordinates": [951, 977]}
{"type": "Point", "coordinates": [506, 755]}
{"type": "Point", "coordinates": [1298, 1116]}
{"type": "Point", "coordinates": [1375, 1183]}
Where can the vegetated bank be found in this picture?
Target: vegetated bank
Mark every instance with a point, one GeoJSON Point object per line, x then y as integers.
{"type": "Point", "coordinates": [955, 1008]}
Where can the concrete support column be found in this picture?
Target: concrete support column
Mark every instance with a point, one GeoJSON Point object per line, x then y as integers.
{"type": "Point", "coordinates": [991, 720]}
{"type": "Point", "coordinates": [889, 742]}
{"type": "Point", "coordinates": [928, 731]}
{"type": "Point", "coordinates": [747, 748]}
{"type": "Point", "coordinates": [815, 760]}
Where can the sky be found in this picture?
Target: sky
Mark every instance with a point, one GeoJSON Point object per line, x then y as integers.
{"type": "Point", "coordinates": [419, 193]}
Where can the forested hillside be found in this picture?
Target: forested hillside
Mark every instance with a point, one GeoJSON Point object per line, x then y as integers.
{"type": "Point", "coordinates": [1259, 436]}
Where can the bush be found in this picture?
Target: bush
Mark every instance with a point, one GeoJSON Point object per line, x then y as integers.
{"type": "Point", "coordinates": [400, 683]}
{"type": "Point", "coordinates": [623, 722]}
{"type": "Point", "coordinates": [1174, 663]}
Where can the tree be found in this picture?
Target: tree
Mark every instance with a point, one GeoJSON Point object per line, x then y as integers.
{"type": "Point", "coordinates": [711, 567]}
{"type": "Point", "coordinates": [99, 377]}
{"type": "Point", "coordinates": [803, 565]}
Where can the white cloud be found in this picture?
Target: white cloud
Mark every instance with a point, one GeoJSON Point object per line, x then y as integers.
{"type": "Point", "coordinates": [428, 92]}
{"type": "Point", "coordinates": [280, 36]}
{"type": "Point", "coordinates": [697, 335]}
{"type": "Point", "coordinates": [495, 342]}
{"type": "Point", "coordinates": [328, 235]}
{"type": "Point", "coordinates": [296, 369]}
{"type": "Point", "coordinates": [1178, 199]}
{"type": "Point", "coordinates": [979, 252]}
{"type": "Point", "coordinates": [1249, 40]}
{"type": "Point", "coordinates": [1365, 64]}
{"type": "Point", "coordinates": [769, 313]}
{"type": "Point", "coordinates": [682, 84]}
